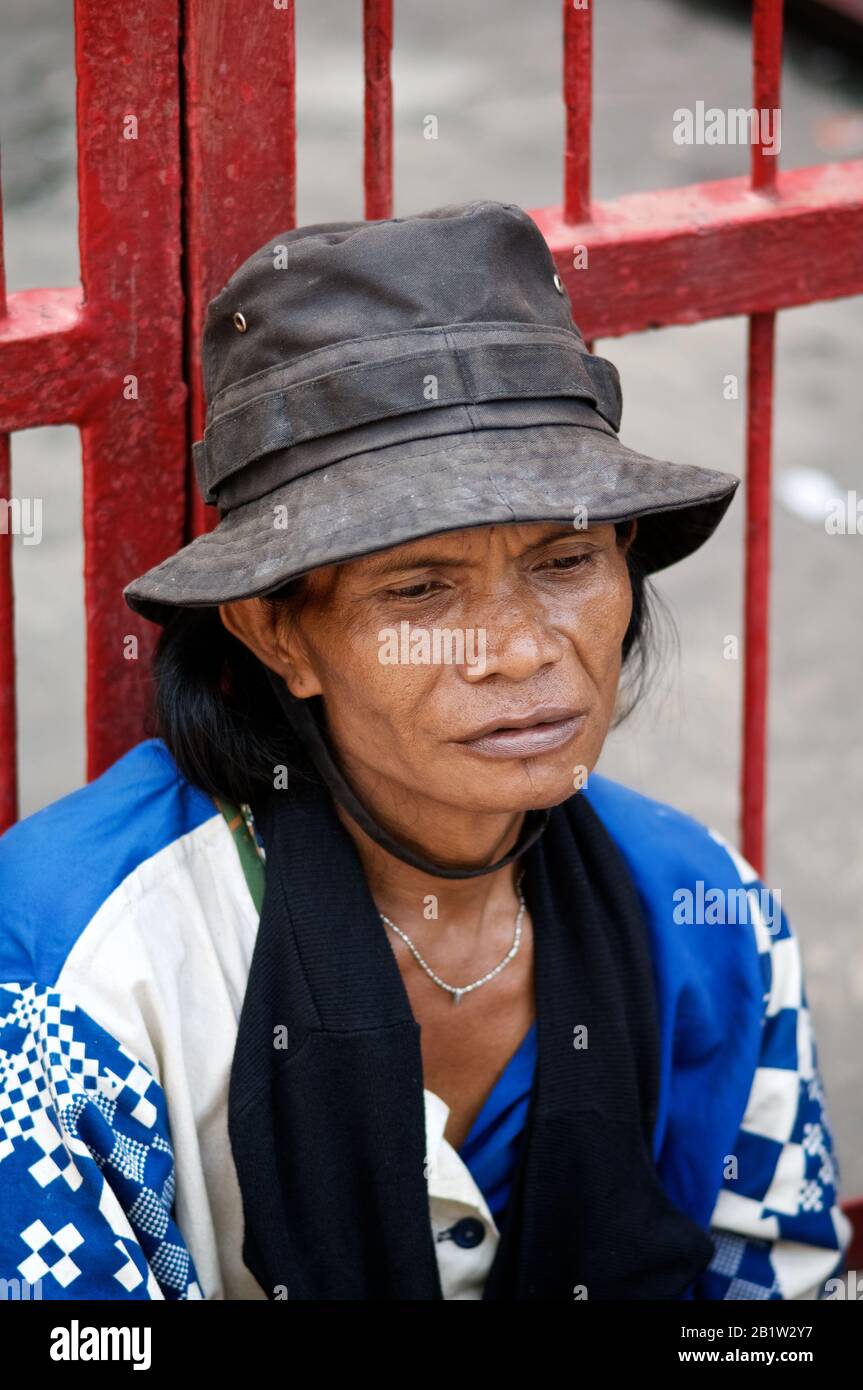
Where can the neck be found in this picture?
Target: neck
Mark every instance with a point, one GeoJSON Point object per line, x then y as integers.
{"type": "Point", "coordinates": [400, 889]}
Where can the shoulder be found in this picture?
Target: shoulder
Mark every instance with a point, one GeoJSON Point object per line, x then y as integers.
{"type": "Point", "coordinates": [654, 832]}
{"type": "Point", "coordinates": [717, 931]}
{"type": "Point", "coordinates": [59, 865]}
{"type": "Point", "coordinates": [683, 865]}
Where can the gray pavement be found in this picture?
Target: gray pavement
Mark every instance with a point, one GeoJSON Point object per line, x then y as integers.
{"type": "Point", "coordinates": [490, 72]}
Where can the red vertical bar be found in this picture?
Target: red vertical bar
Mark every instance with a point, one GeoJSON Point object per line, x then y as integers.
{"type": "Point", "coordinates": [767, 61]}
{"type": "Point", "coordinates": [133, 428]}
{"type": "Point", "coordinates": [577, 96]}
{"type": "Point", "coordinates": [757, 585]}
{"type": "Point", "coordinates": [378, 148]}
{"type": "Point", "coordinates": [239, 163]}
{"type": "Point", "coordinates": [766, 79]}
{"type": "Point", "coordinates": [8, 720]}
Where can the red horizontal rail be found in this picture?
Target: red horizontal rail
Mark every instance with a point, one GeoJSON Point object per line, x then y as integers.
{"type": "Point", "coordinates": [711, 250]}
{"type": "Point", "coordinates": [57, 360]}
{"type": "Point", "coordinates": [677, 256]}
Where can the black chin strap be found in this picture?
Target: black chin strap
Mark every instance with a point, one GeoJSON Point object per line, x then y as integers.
{"type": "Point", "coordinates": [303, 722]}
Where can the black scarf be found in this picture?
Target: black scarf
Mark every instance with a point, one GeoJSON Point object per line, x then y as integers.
{"type": "Point", "coordinates": [328, 1134]}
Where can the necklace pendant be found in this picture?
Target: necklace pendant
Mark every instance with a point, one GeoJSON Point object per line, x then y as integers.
{"type": "Point", "coordinates": [457, 994]}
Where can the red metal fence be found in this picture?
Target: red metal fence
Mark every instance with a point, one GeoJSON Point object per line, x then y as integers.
{"type": "Point", "coordinates": [203, 80]}
{"type": "Point", "coordinates": [68, 356]}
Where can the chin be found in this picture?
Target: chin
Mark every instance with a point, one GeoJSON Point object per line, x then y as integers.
{"type": "Point", "coordinates": [523, 785]}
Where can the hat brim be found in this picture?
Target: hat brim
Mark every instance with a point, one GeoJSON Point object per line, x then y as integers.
{"type": "Point", "coordinates": [388, 496]}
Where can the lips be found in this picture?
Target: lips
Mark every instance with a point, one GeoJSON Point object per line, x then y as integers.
{"type": "Point", "coordinates": [526, 735]}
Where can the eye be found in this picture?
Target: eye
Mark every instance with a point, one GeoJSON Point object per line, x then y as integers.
{"type": "Point", "coordinates": [567, 562]}
{"type": "Point", "coordinates": [423, 590]}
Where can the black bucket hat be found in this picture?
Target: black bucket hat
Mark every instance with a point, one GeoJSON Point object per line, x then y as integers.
{"type": "Point", "coordinates": [369, 383]}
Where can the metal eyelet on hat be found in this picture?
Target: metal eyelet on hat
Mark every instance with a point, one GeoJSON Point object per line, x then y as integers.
{"type": "Point", "coordinates": [558, 284]}
{"type": "Point", "coordinates": [240, 322]}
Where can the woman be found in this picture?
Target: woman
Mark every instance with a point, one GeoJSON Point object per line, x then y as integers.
{"type": "Point", "coordinates": [361, 984]}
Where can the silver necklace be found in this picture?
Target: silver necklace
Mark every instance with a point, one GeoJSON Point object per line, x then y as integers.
{"type": "Point", "coordinates": [458, 990]}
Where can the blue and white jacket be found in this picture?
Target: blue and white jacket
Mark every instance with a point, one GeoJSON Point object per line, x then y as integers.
{"type": "Point", "coordinates": [128, 915]}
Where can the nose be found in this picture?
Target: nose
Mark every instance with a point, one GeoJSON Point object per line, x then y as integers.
{"type": "Point", "coordinates": [519, 638]}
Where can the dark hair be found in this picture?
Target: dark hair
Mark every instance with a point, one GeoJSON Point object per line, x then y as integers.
{"type": "Point", "coordinates": [218, 715]}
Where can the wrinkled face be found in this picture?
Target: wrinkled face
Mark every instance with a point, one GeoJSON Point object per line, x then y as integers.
{"type": "Point", "coordinates": [476, 668]}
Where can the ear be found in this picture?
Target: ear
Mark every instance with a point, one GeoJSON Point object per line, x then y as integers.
{"type": "Point", "coordinates": [277, 645]}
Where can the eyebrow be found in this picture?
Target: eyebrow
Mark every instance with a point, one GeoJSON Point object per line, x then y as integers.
{"type": "Point", "coordinates": [386, 564]}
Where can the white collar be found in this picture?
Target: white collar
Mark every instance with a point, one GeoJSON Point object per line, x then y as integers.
{"type": "Point", "coordinates": [449, 1177]}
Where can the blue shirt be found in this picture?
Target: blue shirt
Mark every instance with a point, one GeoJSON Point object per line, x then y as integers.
{"type": "Point", "coordinates": [126, 931]}
{"type": "Point", "coordinates": [491, 1148]}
